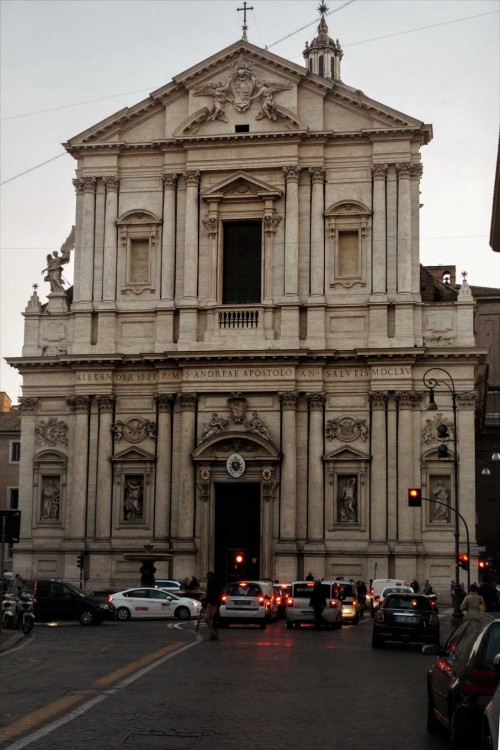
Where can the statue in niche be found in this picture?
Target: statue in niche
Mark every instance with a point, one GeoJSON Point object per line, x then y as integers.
{"type": "Point", "coordinates": [55, 263]}
{"type": "Point", "coordinates": [442, 495]}
{"type": "Point", "coordinates": [50, 500]}
{"type": "Point", "coordinates": [133, 500]}
{"type": "Point", "coordinates": [348, 510]}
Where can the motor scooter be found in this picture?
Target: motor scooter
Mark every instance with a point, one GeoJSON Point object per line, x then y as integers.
{"type": "Point", "coordinates": [17, 612]}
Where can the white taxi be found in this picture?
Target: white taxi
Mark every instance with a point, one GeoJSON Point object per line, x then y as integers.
{"type": "Point", "coordinates": [147, 602]}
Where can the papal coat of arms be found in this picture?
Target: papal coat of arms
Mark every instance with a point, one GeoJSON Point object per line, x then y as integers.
{"type": "Point", "coordinates": [235, 465]}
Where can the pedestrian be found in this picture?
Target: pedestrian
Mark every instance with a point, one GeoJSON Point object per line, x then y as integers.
{"type": "Point", "coordinates": [212, 604]}
{"type": "Point", "coordinates": [309, 577]}
{"type": "Point", "coordinates": [415, 586]}
{"type": "Point", "coordinates": [473, 604]}
{"type": "Point", "coordinates": [193, 584]}
{"type": "Point", "coordinates": [362, 592]}
{"type": "Point", "coordinates": [428, 588]}
{"type": "Point", "coordinates": [318, 603]}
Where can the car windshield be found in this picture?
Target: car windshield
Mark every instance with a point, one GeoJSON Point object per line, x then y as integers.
{"type": "Point", "coordinates": [344, 591]}
{"type": "Point", "coordinates": [73, 589]}
{"type": "Point", "coordinates": [304, 590]}
{"type": "Point", "coordinates": [247, 589]}
{"type": "Point", "coordinates": [410, 603]}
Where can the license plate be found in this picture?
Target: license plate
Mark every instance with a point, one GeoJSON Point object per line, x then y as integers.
{"type": "Point", "coordinates": [241, 602]}
{"type": "Point", "coordinates": [306, 612]}
{"type": "Point", "coordinates": [406, 620]}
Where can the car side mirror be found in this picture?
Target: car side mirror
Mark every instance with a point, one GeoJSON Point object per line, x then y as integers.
{"type": "Point", "coordinates": [430, 649]}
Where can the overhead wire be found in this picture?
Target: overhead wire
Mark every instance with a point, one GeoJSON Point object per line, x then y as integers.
{"type": "Point", "coordinates": [31, 169]}
{"type": "Point", "coordinates": [312, 23]}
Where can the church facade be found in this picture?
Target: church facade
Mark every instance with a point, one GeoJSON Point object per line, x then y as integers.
{"type": "Point", "coordinates": [240, 365]}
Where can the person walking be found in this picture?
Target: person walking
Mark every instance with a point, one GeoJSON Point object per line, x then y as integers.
{"type": "Point", "coordinates": [362, 592]}
{"type": "Point", "coordinates": [428, 588]}
{"type": "Point", "coordinates": [473, 604]}
{"type": "Point", "coordinates": [318, 603]}
{"type": "Point", "coordinates": [212, 604]}
{"type": "Point", "coordinates": [309, 577]}
{"type": "Point", "coordinates": [415, 585]}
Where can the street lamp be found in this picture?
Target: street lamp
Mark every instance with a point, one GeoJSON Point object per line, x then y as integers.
{"type": "Point", "coordinates": [432, 383]}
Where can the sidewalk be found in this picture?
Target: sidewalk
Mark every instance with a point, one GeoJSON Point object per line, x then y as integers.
{"type": "Point", "coordinates": [10, 638]}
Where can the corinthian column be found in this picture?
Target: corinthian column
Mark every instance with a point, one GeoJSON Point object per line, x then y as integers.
{"type": "Point", "coordinates": [292, 232]}
{"type": "Point", "coordinates": [191, 237]}
{"type": "Point", "coordinates": [104, 468]}
{"type": "Point", "coordinates": [289, 465]}
{"type": "Point", "coordinates": [77, 511]}
{"type": "Point", "coordinates": [110, 239]}
{"type": "Point", "coordinates": [407, 401]}
{"type": "Point", "coordinates": [379, 172]}
{"type": "Point", "coordinates": [317, 234]}
{"type": "Point", "coordinates": [187, 490]}
{"type": "Point", "coordinates": [87, 239]}
{"type": "Point", "coordinates": [315, 510]}
{"type": "Point", "coordinates": [404, 230]}
{"type": "Point", "coordinates": [164, 465]}
{"type": "Point", "coordinates": [168, 237]}
{"type": "Point", "coordinates": [378, 483]}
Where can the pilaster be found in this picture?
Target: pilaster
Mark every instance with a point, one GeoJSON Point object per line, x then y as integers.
{"type": "Point", "coordinates": [80, 406]}
{"type": "Point", "coordinates": [288, 493]}
{"type": "Point", "coordinates": [315, 488]}
{"type": "Point", "coordinates": [106, 404]}
{"type": "Point", "coordinates": [164, 403]}
{"type": "Point", "coordinates": [378, 484]}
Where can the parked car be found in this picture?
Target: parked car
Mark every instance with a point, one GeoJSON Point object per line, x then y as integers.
{"type": "Point", "coordinates": [299, 612]}
{"type": "Point", "coordinates": [150, 602]}
{"type": "Point", "coordinates": [462, 680]}
{"type": "Point", "coordinates": [59, 600]}
{"type": "Point", "coordinates": [491, 718]}
{"type": "Point", "coordinates": [407, 618]}
{"type": "Point", "coordinates": [248, 602]}
{"type": "Point", "coordinates": [378, 585]}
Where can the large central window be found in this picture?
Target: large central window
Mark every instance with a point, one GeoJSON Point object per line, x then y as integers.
{"type": "Point", "coordinates": [241, 282]}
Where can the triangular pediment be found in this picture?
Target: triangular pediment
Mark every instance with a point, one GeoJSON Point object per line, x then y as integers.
{"type": "Point", "coordinates": [131, 455]}
{"type": "Point", "coordinates": [347, 454]}
{"type": "Point", "coordinates": [241, 185]}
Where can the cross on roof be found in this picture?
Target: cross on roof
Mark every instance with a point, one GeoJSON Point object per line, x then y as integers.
{"type": "Point", "coordinates": [245, 27]}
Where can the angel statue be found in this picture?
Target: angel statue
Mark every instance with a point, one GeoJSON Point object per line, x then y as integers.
{"type": "Point", "coordinates": [218, 92]}
{"type": "Point", "coordinates": [265, 95]}
{"type": "Point", "coordinates": [55, 263]}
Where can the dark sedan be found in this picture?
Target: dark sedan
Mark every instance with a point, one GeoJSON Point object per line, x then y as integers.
{"type": "Point", "coordinates": [463, 679]}
{"type": "Point", "coordinates": [409, 618]}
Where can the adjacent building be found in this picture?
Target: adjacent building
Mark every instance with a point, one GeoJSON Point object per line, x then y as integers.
{"type": "Point", "coordinates": [240, 363]}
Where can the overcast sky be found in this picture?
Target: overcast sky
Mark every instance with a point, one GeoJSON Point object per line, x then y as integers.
{"type": "Point", "coordinates": [62, 55]}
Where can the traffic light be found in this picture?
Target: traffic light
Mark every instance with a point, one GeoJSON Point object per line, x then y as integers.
{"type": "Point", "coordinates": [463, 561]}
{"type": "Point", "coordinates": [239, 558]}
{"type": "Point", "coordinates": [80, 560]}
{"type": "Point", "coordinates": [414, 497]}
{"type": "Point", "coordinates": [483, 564]}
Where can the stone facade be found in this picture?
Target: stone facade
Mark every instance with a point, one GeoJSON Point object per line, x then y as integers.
{"type": "Point", "coordinates": [202, 401]}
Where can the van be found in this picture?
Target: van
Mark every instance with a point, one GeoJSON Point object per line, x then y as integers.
{"type": "Point", "coordinates": [378, 586]}
{"type": "Point", "coordinates": [298, 610]}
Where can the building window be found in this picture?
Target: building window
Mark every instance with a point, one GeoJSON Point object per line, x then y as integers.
{"type": "Point", "coordinates": [242, 128]}
{"type": "Point", "coordinates": [242, 263]}
{"type": "Point", "coordinates": [348, 254]}
{"type": "Point", "coordinates": [321, 65]}
{"type": "Point", "coordinates": [138, 271]}
{"type": "Point", "coordinates": [13, 498]}
{"type": "Point", "coordinates": [15, 452]}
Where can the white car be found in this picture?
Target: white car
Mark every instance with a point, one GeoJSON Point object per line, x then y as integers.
{"type": "Point", "coordinates": [248, 602]}
{"type": "Point", "coordinates": [150, 602]}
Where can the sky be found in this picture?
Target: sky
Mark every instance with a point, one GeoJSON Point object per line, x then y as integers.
{"type": "Point", "coordinates": [67, 64]}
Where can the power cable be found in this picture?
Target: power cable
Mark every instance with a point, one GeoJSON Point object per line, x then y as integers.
{"type": "Point", "coordinates": [310, 24]}
{"type": "Point", "coordinates": [31, 169]}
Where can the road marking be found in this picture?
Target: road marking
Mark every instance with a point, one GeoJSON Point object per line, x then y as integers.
{"type": "Point", "coordinates": [143, 665]}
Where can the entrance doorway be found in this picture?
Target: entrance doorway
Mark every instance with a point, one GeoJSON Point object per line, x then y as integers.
{"type": "Point", "coordinates": [237, 531]}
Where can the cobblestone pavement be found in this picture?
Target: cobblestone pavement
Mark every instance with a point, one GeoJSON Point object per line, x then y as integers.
{"type": "Point", "coordinates": [128, 686]}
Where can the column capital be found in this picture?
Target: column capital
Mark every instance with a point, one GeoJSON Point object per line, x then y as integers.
{"type": "Point", "coordinates": [378, 400]}
{"type": "Point", "coordinates": [85, 184]}
{"type": "Point", "coordinates": [289, 399]}
{"type": "Point", "coordinates": [316, 400]}
{"type": "Point", "coordinates": [169, 181]}
{"type": "Point", "coordinates": [291, 174]}
{"type": "Point", "coordinates": [404, 169]}
{"type": "Point", "coordinates": [417, 170]}
{"type": "Point", "coordinates": [164, 401]}
{"type": "Point", "coordinates": [467, 400]}
{"type": "Point", "coordinates": [188, 401]}
{"type": "Point", "coordinates": [318, 174]}
{"type": "Point", "coordinates": [408, 399]}
{"type": "Point", "coordinates": [106, 403]}
{"type": "Point", "coordinates": [79, 404]}
{"type": "Point", "coordinates": [112, 183]}
{"type": "Point", "coordinates": [379, 171]}
{"type": "Point", "coordinates": [192, 178]}
{"type": "Point", "coordinates": [78, 185]}
{"type": "Point", "coordinates": [28, 405]}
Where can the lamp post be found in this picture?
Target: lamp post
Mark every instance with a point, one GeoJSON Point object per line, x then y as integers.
{"type": "Point", "coordinates": [432, 383]}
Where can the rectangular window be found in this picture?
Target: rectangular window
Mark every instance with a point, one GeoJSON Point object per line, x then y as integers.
{"type": "Point", "coordinates": [13, 498]}
{"type": "Point", "coordinates": [15, 452]}
{"type": "Point", "coordinates": [242, 263]}
{"type": "Point", "coordinates": [138, 266]}
{"type": "Point", "coordinates": [348, 254]}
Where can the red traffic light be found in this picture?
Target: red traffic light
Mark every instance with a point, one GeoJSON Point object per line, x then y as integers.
{"type": "Point", "coordinates": [414, 497]}
{"type": "Point", "coordinates": [239, 558]}
{"type": "Point", "coordinates": [483, 564]}
{"type": "Point", "coordinates": [463, 561]}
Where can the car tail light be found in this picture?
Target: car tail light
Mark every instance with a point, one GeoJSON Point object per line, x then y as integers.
{"type": "Point", "coordinates": [223, 598]}
{"type": "Point", "coordinates": [354, 602]}
{"type": "Point", "coordinates": [333, 603]}
{"type": "Point", "coordinates": [380, 601]}
{"type": "Point", "coordinates": [433, 620]}
{"type": "Point", "coordinates": [110, 599]}
{"type": "Point", "coordinates": [262, 599]}
{"type": "Point", "coordinates": [371, 592]}
{"type": "Point", "coordinates": [481, 682]}
{"type": "Point", "coordinates": [380, 617]}
{"type": "Point", "coordinates": [278, 600]}
{"type": "Point", "coordinates": [289, 602]}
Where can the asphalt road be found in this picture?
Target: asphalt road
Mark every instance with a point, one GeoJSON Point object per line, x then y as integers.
{"type": "Point", "coordinates": [156, 685]}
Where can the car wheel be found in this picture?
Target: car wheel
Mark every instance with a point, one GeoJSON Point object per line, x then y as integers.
{"type": "Point", "coordinates": [433, 724]}
{"type": "Point", "coordinates": [289, 624]}
{"type": "Point", "coordinates": [263, 625]}
{"type": "Point", "coordinates": [87, 617]}
{"type": "Point", "coordinates": [122, 614]}
{"type": "Point", "coordinates": [377, 641]}
{"type": "Point", "coordinates": [182, 613]}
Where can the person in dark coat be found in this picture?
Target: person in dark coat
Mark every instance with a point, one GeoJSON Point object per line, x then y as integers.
{"type": "Point", "coordinates": [193, 584]}
{"type": "Point", "coordinates": [318, 603]}
{"type": "Point", "coordinates": [212, 603]}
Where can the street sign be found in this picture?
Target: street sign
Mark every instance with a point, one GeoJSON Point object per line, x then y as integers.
{"type": "Point", "coordinates": [10, 525]}
{"type": "Point", "coordinates": [475, 549]}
